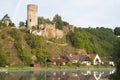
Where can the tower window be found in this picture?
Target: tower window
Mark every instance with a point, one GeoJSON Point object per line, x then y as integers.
{"type": "Point", "coordinates": [30, 20]}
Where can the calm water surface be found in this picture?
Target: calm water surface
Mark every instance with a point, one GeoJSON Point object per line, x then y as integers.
{"type": "Point", "coordinates": [102, 74]}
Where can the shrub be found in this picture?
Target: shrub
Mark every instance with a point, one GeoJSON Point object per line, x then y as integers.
{"type": "Point", "coordinates": [3, 36]}
{"type": "Point", "coordinates": [3, 57]}
{"type": "Point", "coordinates": [15, 33]}
{"type": "Point", "coordinates": [23, 53]}
{"type": "Point", "coordinates": [69, 63]}
{"type": "Point", "coordinates": [34, 41]}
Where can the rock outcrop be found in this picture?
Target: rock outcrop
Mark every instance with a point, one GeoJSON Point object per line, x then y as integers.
{"type": "Point", "coordinates": [49, 31]}
{"type": "Point", "coordinates": [67, 29]}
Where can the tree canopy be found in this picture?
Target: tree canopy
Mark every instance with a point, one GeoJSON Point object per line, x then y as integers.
{"type": "Point", "coordinates": [117, 31]}
{"type": "Point", "coordinates": [58, 21]}
{"type": "Point", "coordinates": [6, 21]}
{"type": "Point", "coordinates": [21, 24]}
{"type": "Point", "coordinates": [99, 40]}
{"type": "Point", "coordinates": [42, 20]}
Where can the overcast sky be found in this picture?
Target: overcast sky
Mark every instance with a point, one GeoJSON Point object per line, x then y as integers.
{"type": "Point", "coordinates": [81, 13]}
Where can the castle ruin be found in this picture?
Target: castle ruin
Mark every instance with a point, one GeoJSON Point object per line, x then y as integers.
{"type": "Point", "coordinates": [45, 30]}
{"type": "Point", "coordinates": [32, 16]}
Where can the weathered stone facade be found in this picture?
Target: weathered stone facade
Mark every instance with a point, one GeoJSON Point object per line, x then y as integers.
{"type": "Point", "coordinates": [32, 16]}
{"type": "Point", "coordinates": [46, 30]}
{"type": "Point", "coordinates": [49, 31]}
{"type": "Point", "coordinates": [67, 29]}
{"type": "Point", "coordinates": [59, 33]}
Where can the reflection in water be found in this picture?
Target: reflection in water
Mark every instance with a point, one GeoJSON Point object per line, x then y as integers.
{"type": "Point", "coordinates": [57, 75]}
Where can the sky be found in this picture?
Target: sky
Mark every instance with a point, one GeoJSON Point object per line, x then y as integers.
{"type": "Point", "coordinates": [80, 13]}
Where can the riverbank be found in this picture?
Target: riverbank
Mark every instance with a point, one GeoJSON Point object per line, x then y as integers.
{"type": "Point", "coordinates": [56, 68]}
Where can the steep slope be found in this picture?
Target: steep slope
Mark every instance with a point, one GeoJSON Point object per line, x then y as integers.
{"type": "Point", "coordinates": [20, 46]}
{"type": "Point", "coordinates": [8, 45]}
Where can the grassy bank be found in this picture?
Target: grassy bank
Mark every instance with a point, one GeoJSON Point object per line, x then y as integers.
{"type": "Point", "coordinates": [27, 68]}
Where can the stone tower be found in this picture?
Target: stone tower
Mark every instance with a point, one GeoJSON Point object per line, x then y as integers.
{"type": "Point", "coordinates": [32, 16]}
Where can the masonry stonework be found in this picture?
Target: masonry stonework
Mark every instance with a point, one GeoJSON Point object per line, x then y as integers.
{"type": "Point", "coordinates": [32, 16]}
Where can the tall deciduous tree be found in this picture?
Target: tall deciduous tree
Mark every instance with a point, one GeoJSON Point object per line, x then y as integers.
{"type": "Point", "coordinates": [96, 40]}
{"type": "Point", "coordinates": [3, 57]}
{"type": "Point", "coordinates": [117, 31]}
{"type": "Point", "coordinates": [42, 20]}
{"type": "Point", "coordinates": [6, 19]}
{"type": "Point", "coordinates": [21, 24]}
{"type": "Point", "coordinates": [2, 25]}
{"type": "Point", "coordinates": [58, 21]}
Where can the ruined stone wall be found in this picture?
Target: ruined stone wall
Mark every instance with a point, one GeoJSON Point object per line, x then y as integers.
{"type": "Point", "coordinates": [67, 29]}
{"type": "Point", "coordinates": [51, 32]}
{"type": "Point", "coordinates": [32, 15]}
{"type": "Point", "coordinates": [59, 33]}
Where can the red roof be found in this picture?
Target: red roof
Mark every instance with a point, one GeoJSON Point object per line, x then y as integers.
{"type": "Point", "coordinates": [72, 57]}
{"type": "Point", "coordinates": [57, 60]}
{"type": "Point", "coordinates": [52, 60]}
{"type": "Point", "coordinates": [62, 60]}
{"type": "Point", "coordinates": [83, 57]}
{"type": "Point", "coordinates": [91, 56]}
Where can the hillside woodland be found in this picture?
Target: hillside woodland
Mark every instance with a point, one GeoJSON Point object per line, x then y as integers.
{"type": "Point", "coordinates": [19, 47]}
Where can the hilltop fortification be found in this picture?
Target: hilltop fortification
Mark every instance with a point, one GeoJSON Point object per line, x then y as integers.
{"type": "Point", "coordinates": [32, 16]}
{"type": "Point", "coordinates": [45, 30]}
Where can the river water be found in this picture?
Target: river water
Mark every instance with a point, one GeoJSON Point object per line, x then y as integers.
{"type": "Point", "coordinates": [83, 74]}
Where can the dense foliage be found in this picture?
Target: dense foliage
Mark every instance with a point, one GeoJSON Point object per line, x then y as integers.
{"type": "Point", "coordinates": [2, 25]}
{"type": "Point", "coordinates": [100, 41]}
{"type": "Point", "coordinates": [37, 45]}
{"type": "Point", "coordinates": [34, 41]}
{"type": "Point", "coordinates": [59, 23]}
{"type": "Point", "coordinates": [21, 24]}
{"type": "Point", "coordinates": [94, 40]}
{"type": "Point", "coordinates": [3, 22]}
{"type": "Point", "coordinates": [57, 20]}
{"type": "Point", "coordinates": [42, 20]}
{"type": "Point", "coordinates": [3, 57]}
{"type": "Point", "coordinates": [23, 52]}
{"type": "Point", "coordinates": [116, 55]}
{"type": "Point", "coordinates": [117, 31]}
{"type": "Point", "coordinates": [7, 18]}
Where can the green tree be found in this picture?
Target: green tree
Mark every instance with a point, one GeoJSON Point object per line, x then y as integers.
{"type": "Point", "coordinates": [116, 56]}
{"type": "Point", "coordinates": [23, 53]}
{"type": "Point", "coordinates": [15, 33]}
{"type": "Point", "coordinates": [22, 50]}
{"type": "Point", "coordinates": [3, 57]}
{"type": "Point", "coordinates": [21, 24]}
{"type": "Point", "coordinates": [42, 56]}
{"type": "Point", "coordinates": [34, 41]}
{"type": "Point", "coordinates": [7, 18]}
{"type": "Point", "coordinates": [117, 31]}
{"type": "Point", "coordinates": [65, 23]}
{"type": "Point", "coordinates": [93, 40]}
{"type": "Point", "coordinates": [2, 25]}
{"type": "Point", "coordinates": [42, 20]}
{"type": "Point", "coordinates": [11, 24]}
{"type": "Point", "coordinates": [58, 21]}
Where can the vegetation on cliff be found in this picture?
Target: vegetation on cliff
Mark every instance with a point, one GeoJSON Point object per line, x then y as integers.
{"type": "Point", "coordinates": [94, 40]}
{"type": "Point", "coordinates": [18, 46]}
{"type": "Point", "coordinates": [23, 45]}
